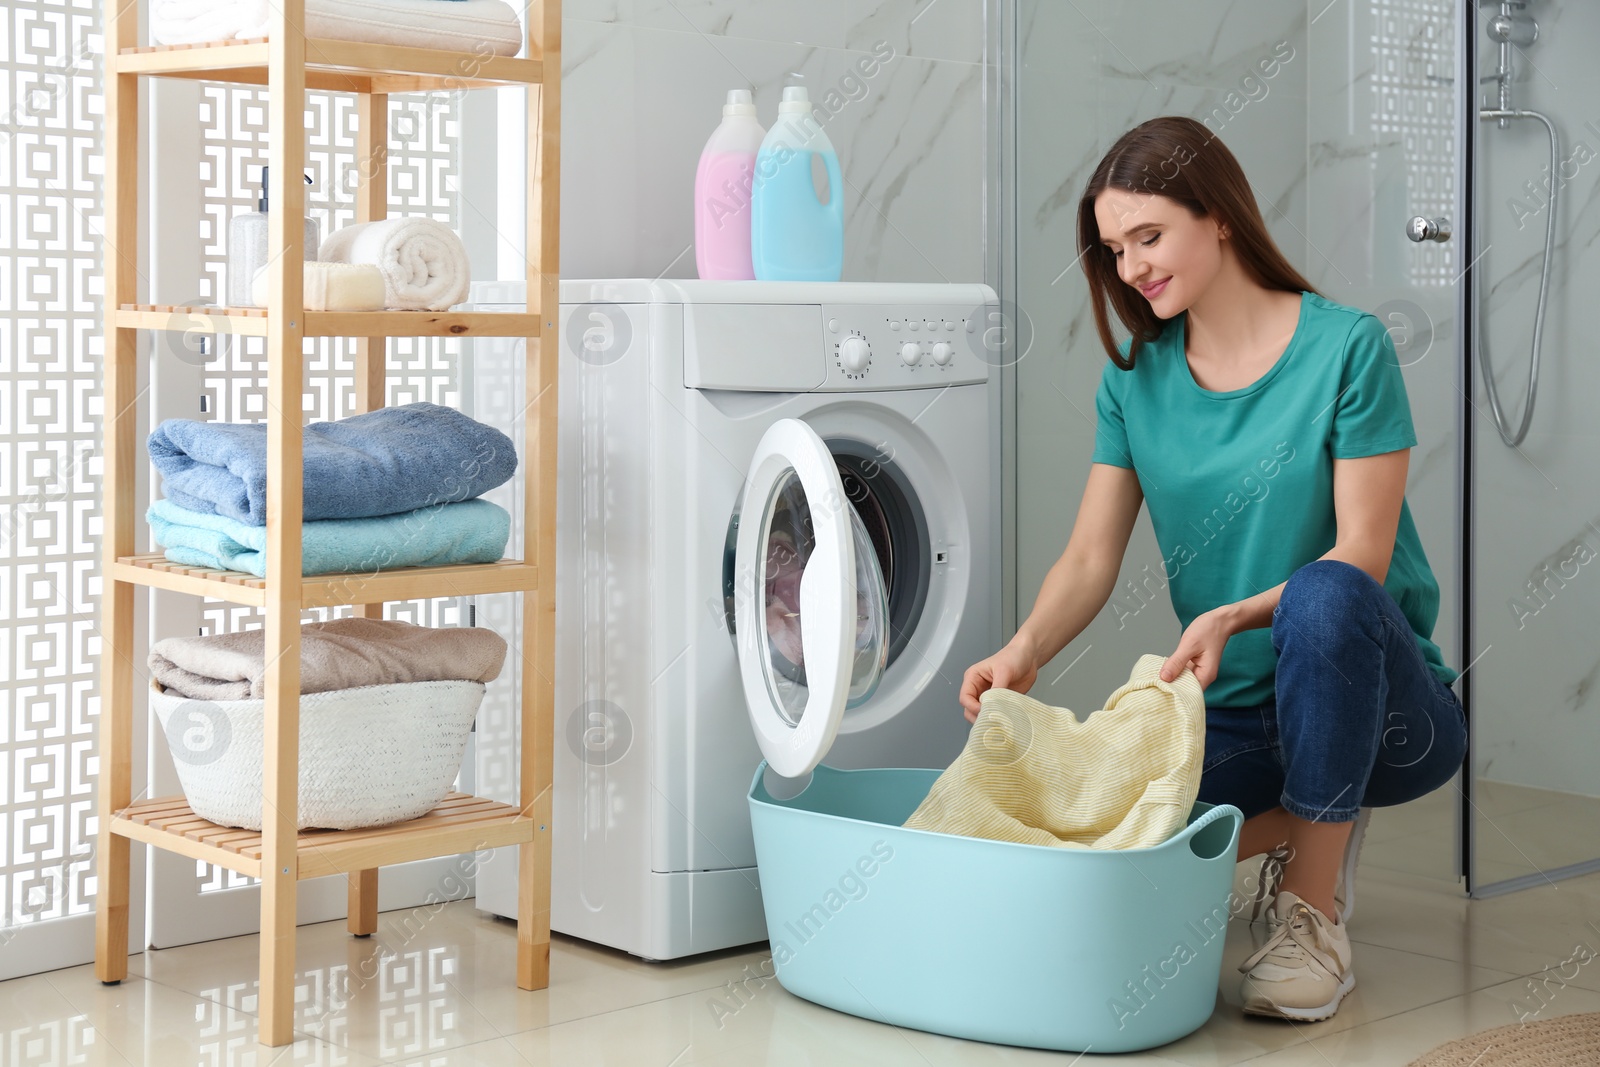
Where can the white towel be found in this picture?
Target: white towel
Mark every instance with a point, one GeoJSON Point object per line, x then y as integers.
{"type": "Point", "coordinates": [332, 287]}
{"type": "Point", "coordinates": [475, 26]}
{"type": "Point", "coordinates": [424, 263]}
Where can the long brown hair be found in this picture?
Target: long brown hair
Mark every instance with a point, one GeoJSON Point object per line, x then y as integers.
{"type": "Point", "coordinates": [1180, 159]}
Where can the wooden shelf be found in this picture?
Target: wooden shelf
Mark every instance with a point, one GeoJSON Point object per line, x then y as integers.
{"type": "Point", "coordinates": [329, 590]}
{"type": "Point", "coordinates": [335, 66]}
{"type": "Point", "coordinates": [460, 823]}
{"type": "Point", "coordinates": [288, 65]}
{"type": "Point", "coordinates": [254, 322]}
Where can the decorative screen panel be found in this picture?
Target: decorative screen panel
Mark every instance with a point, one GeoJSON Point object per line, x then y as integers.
{"type": "Point", "coordinates": [50, 185]}
{"type": "Point", "coordinates": [423, 135]}
{"type": "Point", "coordinates": [1413, 53]}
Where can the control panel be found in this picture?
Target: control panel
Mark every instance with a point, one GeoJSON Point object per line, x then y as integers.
{"type": "Point", "coordinates": [878, 347]}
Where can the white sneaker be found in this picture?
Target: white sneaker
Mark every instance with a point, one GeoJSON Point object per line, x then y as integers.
{"type": "Point", "coordinates": [1304, 969]}
{"type": "Point", "coordinates": [1344, 885]}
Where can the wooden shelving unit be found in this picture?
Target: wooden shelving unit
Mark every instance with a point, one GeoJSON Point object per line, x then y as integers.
{"type": "Point", "coordinates": [288, 63]}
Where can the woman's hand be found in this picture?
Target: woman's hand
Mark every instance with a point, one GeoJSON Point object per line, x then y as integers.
{"type": "Point", "coordinates": [1200, 648]}
{"type": "Point", "coordinates": [1010, 668]}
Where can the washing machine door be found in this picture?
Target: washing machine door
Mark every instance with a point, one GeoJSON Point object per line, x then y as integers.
{"type": "Point", "coordinates": [811, 615]}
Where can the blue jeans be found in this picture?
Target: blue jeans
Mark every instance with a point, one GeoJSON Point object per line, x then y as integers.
{"type": "Point", "coordinates": [1358, 719]}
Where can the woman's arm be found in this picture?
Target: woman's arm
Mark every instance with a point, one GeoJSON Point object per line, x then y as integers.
{"type": "Point", "coordinates": [1367, 494]}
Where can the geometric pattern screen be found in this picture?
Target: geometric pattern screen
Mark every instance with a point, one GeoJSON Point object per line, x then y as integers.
{"type": "Point", "coordinates": [50, 400]}
{"type": "Point", "coordinates": [50, 193]}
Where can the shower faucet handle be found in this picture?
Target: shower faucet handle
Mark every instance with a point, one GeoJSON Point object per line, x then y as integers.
{"type": "Point", "coordinates": [1421, 229]}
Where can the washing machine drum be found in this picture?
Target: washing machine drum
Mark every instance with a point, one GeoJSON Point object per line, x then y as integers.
{"type": "Point", "coordinates": [811, 606]}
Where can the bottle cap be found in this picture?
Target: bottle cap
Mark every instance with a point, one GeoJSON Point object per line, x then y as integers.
{"type": "Point", "coordinates": [261, 204]}
{"type": "Point", "coordinates": [738, 103]}
{"type": "Point", "coordinates": [795, 100]}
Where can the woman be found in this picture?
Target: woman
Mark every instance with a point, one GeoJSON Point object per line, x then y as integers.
{"type": "Point", "coordinates": [1268, 429]}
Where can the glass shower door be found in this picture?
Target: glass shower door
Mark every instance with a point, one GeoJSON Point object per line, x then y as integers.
{"type": "Point", "coordinates": [1533, 507]}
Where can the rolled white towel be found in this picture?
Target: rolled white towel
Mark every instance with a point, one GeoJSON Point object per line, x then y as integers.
{"type": "Point", "coordinates": [424, 263]}
{"type": "Point", "coordinates": [332, 286]}
{"type": "Point", "coordinates": [476, 26]}
{"type": "Point", "coordinates": [198, 21]}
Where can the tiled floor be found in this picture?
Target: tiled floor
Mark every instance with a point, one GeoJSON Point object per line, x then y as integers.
{"type": "Point", "coordinates": [1431, 966]}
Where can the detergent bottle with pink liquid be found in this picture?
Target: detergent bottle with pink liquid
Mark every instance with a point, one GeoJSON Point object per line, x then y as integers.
{"type": "Point", "coordinates": [722, 188]}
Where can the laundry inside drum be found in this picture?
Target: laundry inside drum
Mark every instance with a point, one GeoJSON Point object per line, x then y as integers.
{"type": "Point", "coordinates": [789, 547]}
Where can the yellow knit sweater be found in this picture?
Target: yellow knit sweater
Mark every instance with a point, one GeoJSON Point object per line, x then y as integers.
{"type": "Point", "coordinates": [1126, 777]}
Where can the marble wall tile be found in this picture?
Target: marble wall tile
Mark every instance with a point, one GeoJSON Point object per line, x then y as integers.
{"type": "Point", "coordinates": [1168, 42]}
{"type": "Point", "coordinates": [928, 29]}
{"type": "Point", "coordinates": [644, 86]}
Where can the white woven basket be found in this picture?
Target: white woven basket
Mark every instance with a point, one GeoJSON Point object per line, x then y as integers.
{"type": "Point", "coordinates": [369, 756]}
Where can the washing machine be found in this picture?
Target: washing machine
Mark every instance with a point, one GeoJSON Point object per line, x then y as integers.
{"type": "Point", "coordinates": [821, 458]}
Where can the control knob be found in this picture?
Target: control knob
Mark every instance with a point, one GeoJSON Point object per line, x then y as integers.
{"type": "Point", "coordinates": [943, 353]}
{"type": "Point", "coordinates": [854, 353]}
{"type": "Point", "coordinates": [910, 353]}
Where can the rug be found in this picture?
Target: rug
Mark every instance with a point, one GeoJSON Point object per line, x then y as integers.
{"type": "Point", "coordinates": [1565, 1041]}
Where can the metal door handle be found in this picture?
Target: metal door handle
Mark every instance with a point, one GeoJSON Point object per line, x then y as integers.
{"type": "Point", "coordinates": [1421, 229]}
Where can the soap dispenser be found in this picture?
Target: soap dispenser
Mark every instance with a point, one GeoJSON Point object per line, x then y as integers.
{"type": "Point", "coordinates": [794, 236]}
{"type": "Point", "coordinates": [247, 247]}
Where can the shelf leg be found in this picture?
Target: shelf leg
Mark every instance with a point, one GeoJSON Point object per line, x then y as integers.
{"type": "Point", "coordinates": [112, 855]}
{"type": "Point", "coordinates": [280, 860]}
{"type": "Point", "coordinates": [111, 909]}
{"type": "Point", "coordinates": [539, 520]}
{"type": "Point", "coordinates": [371, 382]}
{"type": "Point", "coordinates": [533, 926]}
{"type": "Point", "coordinates": [115, 786]}
{"type": "Point", "coordinates": [362, 916]}
{"type": "Point", "coordinates": [119, 426]}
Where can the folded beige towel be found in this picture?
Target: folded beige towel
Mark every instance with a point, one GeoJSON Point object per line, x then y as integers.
{"type": "Point", "coordinates": [339, 654]}
{"type": "Point", "coordinates": [331, 286]}
{"type": "Point", "coordinates": [1125, 778]}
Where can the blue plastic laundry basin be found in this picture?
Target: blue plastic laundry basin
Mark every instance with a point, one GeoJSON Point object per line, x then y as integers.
{"type": "Point", "coordinates": [1055, 948]}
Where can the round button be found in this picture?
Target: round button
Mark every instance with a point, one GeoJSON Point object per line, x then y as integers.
{"type": "Point", "coordinates": [854, 354]}
{"type": "Point", "coordinates": [894, 324]}
{"type": "Point", "coordinates": [943, 353]}
{"type": "Point", "coordinates": [910, 353]}
{"type": "Point", "coordinates": [833, 325]}
{"type": "Point", "coordinates": [949, 325]}
{"type": "Point", "coordinates": [913, 325]}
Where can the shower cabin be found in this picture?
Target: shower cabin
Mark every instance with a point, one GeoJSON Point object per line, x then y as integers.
{"type": "Point", "coordinates": [1428, 161]}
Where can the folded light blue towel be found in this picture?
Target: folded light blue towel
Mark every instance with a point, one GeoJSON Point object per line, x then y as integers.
{"type": "Point", "coordinates": [384, 462]}
{"type": "Point", "coordinates": [474, 531]}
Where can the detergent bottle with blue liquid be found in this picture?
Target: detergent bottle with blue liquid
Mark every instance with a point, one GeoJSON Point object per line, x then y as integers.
{"type": "Point", "coordinates": [794, 235]}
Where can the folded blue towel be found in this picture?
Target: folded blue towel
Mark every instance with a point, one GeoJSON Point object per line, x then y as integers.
{"type": "Point", "coordinates": [384, 462]}
{"type": "Point", "coordinates": [474, 531]}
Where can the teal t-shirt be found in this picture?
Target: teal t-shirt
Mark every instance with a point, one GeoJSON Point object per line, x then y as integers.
{"type": "Point", "coordinates": [1240, 482]}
